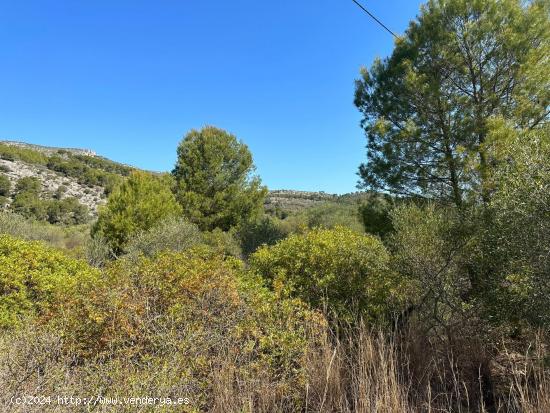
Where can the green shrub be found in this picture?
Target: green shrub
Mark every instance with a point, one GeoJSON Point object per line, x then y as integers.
{"type": "Point", "coordinates": [223, 242]}
{"type": "Point", "coordinates": [69, 238]}
{"type": "Point", "coordinates": [5, 186]}
{"type": "Point", "coordinates": [29, 205]}
{"type": "Point", "coordinates": [12, 153]}
{"type": "Point", "coordinates": [138, 204]}
{"type": "Point", "coordinates": [28, 184]}
{"type": "Point", "coordinates": [338, 270]}
{"type": "Point", "coordinates": [60, 191]}
{"type": "Point", "coordinates": [375, 214]}
{"type": "Point", "coordinates": [97, 252]}
{"type": "Point", "coordinates": [67, 211]}
{"type": "Point", "coordinates": [37, 281]}
{"type": "Point", "coordinates": [515, 241]}
{"type": "Point", "coordinates": [331, 215]}
{"type": "Point", "coordinates": [263, 231]}
{"type": "Point", "coordinates": [429, 246]}
{"type": "Point", "coordinates": [172, 234]}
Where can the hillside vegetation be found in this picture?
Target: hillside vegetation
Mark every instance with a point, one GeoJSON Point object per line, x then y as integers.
{"type": "Point", "coordinates": [427, 292]}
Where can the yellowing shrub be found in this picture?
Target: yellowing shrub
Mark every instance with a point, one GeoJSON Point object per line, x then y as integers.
{"type": "Point", "coordinates": [337, 270]}
{"type": "Point", "coordinates": [200, 310]}
{"type": "Point", "coordinates": [36, 280]}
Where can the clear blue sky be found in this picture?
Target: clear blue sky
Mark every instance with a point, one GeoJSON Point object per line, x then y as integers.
{"type": "Point", "coordinates": [129, 78]}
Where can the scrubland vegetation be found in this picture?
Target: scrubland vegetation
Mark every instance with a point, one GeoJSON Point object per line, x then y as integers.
{"type": "Point", "coordinates": [429, 292]}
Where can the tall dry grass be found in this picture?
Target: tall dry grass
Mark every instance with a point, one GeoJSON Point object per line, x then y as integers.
{"type": "Point", "coordinates": [356, 370]}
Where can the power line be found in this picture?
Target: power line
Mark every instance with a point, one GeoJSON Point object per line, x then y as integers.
{"type": "Point", "coordinates": [375, 19]}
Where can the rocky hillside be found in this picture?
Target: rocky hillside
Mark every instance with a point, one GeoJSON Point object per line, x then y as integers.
{"type": "Point", "coordinates": [52, 182]}
{"type": "Point", "coordinates": [77, 175]}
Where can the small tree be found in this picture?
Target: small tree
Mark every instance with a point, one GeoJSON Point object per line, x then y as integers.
{"type": "Point", "coordinates": [136, 205]}
{"type": "Point", "coordinates": [215, 185]}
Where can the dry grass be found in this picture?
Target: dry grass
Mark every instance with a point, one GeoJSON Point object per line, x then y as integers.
{"type": "Point", "coordinates": [352, 371]}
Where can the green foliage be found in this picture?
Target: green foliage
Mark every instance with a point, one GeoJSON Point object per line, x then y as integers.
{"type": "Point", "coordinates": [12, 153]}
{"type": "Point", "coordinates": [426, 107]}
{"type": "Point", "coordinates": [68, 238]}
{"type": "Point", "coordinates": [29, 184]}
{"type": "Point", "coordinates": [67, 211]}
{"type": "Point", "coordinates": [214, 180]}
{"type": "Point", "coordinates": [29, 205]}
{"type": "Point", "coordinates": [60, 191]}
{"type": "Point", "coordinates": [265, 230]}
{"type": "Point", "coordinates": [429, 251]}
{"type": "Point", "coordinates": [328, 215]}
{"type": "Point", "coordinates": [27, 202]}
{"type": "Point", "coordinates": [138, 204]}
{"type": "Point", "coordinates": [337, 270]}
{"type": "Point", "coordinates": [375, 214]}
{"type": "Point", "coordinates": [197, 309]}
{"type": "Point", "coordinates": [222, 242]}
{"type": "Point", "coordinates": [5, 186]}
{"type": "Point", "coordinates": [36, 281]}
{"type": "Point", "coordinates": [172, 234]}
{"type": "Point", "coordinates": [516, 226]}
{"type": "Point", "coordinates": [89, 170]}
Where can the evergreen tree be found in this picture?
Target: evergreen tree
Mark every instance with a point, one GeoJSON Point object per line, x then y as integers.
{"type": "Point", "coordinates": [426, 108]}
{"type": "Point", "coordinates": [215, 185]}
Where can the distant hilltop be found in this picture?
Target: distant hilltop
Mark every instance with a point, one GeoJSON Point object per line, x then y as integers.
{"type": "Point", "coordinates": [49, 149]}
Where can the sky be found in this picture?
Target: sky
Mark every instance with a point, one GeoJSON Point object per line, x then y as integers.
{"type": "Point", "coordinates": [128, 79]}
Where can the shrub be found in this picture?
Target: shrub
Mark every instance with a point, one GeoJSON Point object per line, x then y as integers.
{"type": "Point", "coordinates": [224, 243]}
{"type": "Point", "coordinates": [200, 311]}
{"type": "Point", "coordinates": [515, 240]}
{"type": "Point", "coordinates": [263, 231]}
{"type": "Point", "coordinates": [29, 205]}
{"type": "Point", "coordinates": [331, 215]}
{"type": "Point", "coordinates": [12, 153]}
{"type": "Point", "coordinates": [60, 191]}
{"type": "Point", "coordinates": [375, 214]}
{"type": "Point", "coordinates": [5, 186]}
{"type": "Point", "coordinates": [28, 184]}
{"type": "Point", "coordinates": [36, 281]}
{"type": "Point", "coordinates": [431, 248]}
{"type": "Point", "coordinates": [339, 271]}
{"type": "Point", "coordinates": [138, 204]}
{"type": "Point", "coordinates": [98, 252]}
{"type": "Point", "coordinates": [172, 234]}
